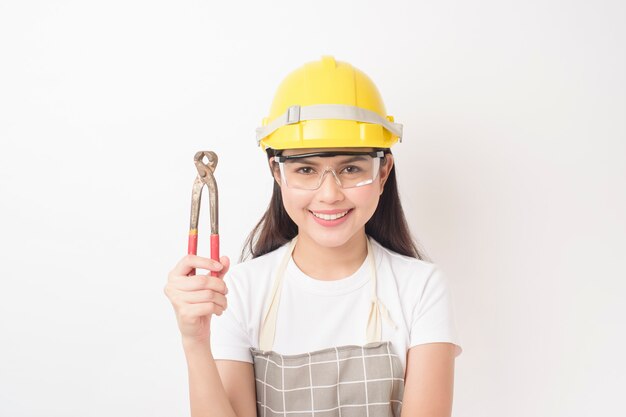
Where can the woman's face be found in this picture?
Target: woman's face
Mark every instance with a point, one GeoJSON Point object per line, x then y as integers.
{"type": "Point", "coordinates": [332, 215]}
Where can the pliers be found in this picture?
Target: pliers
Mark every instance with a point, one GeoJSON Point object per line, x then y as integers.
{"type": "Point", "coordinates": [205, 177]}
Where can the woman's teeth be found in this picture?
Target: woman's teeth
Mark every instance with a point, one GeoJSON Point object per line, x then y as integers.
{"type": "Point", "coordinates": [330, 216]}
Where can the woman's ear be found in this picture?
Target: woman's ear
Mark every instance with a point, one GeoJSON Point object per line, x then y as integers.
{"type": "Point", "coordinates": [385, 170]}
{"type": "Point", "coordinates": [274, 170]}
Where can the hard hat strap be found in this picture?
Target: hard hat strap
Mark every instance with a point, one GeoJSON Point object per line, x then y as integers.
{"type": "Point", "coordinates": [295, 114]}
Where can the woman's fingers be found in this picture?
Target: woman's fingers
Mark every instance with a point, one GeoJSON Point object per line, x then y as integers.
{"type": "Point", "coordinates": [197, 297]}
{"type": "Point", "coordinates": [198, 282]}
{"type": "Point", "coordinates": [190, 262]}
{"type": "Point", "coordinates": [191, 313]}
{"type": "Point", "coordinates": [197, 289]}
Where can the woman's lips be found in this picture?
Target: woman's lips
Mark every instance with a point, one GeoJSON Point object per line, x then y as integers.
{"type": "Point", "coordinates": [330, 217]}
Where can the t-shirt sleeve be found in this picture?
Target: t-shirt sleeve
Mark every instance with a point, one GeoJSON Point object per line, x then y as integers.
{"type": "Point", "coordinates": [434, 318]}
{"type": "Point", "coordinates": [229, 338]}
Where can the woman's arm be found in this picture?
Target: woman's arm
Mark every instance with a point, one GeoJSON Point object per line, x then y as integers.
{"type": "Point", "coordinates": [238, 381]}
{"type": "Point", "coordinates": [229, 392]}
{"type": "Point", "coordinates": [429, 380]}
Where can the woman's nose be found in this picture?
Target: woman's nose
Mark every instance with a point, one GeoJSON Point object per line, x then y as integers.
{"type": "Point", "coordinates": [330, 189]}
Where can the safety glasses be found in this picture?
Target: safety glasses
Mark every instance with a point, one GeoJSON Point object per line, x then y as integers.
{"type": "Point", "coordinates": [350, 169]}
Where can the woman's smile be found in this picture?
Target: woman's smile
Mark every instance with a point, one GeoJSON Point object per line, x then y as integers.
{"type": "Point", "coordinates": [330, 217]}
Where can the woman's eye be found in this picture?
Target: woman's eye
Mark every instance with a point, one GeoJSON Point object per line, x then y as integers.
{"type": "Point", "coordinates": [305, 170]}
{"type": "Point", "coordinates": [351, 169]}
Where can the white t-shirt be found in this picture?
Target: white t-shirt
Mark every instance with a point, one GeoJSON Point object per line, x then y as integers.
{"type": "Point", "coordinates": [314, 314]}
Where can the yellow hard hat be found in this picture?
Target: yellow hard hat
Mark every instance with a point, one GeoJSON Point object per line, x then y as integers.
{"type": "Point", "coordinates": [327, 104]}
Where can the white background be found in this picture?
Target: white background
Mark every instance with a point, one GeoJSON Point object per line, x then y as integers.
{"type": "Point", "coordinates": [512, 174]}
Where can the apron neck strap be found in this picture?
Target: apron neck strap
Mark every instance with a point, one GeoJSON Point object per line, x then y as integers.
{"type": "Point", "coordinates": [268, 325]}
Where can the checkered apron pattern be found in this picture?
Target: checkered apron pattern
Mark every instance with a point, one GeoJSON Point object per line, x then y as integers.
{"type": "Point", "coordinates": [342, 381]}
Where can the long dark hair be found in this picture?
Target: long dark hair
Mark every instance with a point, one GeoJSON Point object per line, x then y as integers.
{"type": "Point", "coordinates": [388, 225]}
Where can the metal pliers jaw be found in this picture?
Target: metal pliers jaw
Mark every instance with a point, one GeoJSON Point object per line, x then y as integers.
{"type": "Point", "coordinates": [204, 177]}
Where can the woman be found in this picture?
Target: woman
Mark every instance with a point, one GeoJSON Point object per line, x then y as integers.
{"type": "Point", "coordinates": [337, 313]}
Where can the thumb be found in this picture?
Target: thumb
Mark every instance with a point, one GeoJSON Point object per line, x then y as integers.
{"type": "Point", "coordinates": [225, 261]}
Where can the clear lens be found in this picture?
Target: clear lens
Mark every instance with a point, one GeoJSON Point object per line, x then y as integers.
{"type": "Point", "coordinates": [349, 171]}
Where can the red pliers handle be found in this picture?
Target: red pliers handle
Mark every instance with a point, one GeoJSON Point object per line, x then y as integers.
{"type": "Point", "coordinates": [205, 177]}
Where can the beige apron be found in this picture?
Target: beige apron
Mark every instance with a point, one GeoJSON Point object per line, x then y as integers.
{"type": "Point", "coordinates": [343, 381]}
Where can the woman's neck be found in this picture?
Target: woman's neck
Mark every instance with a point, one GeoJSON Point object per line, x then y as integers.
{"type": "Point", "coordinates": [330, 263]}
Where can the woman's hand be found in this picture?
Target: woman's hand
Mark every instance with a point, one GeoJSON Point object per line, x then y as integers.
{"type": "Point", "coordinates": [195, 298]}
